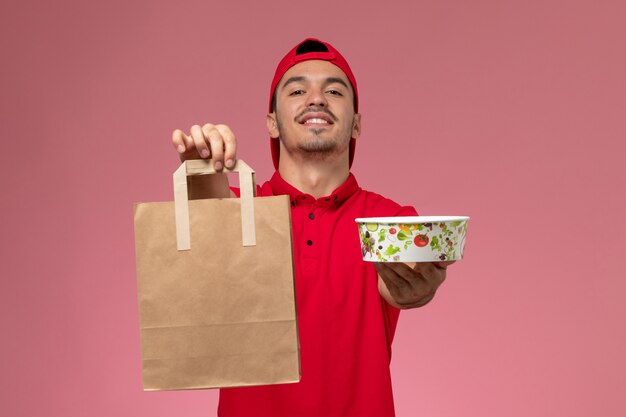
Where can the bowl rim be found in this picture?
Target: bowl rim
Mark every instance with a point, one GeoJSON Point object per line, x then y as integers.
{"type": "Point", "coordinates": [410, 219]}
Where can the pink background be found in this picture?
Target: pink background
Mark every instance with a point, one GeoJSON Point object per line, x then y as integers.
{"type": "Point", "coordinates": [510, 112]}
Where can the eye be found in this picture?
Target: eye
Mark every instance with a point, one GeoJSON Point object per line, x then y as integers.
{"type": "Point", "coordinates": [296, 92]}
{"type": "Point", "coordinates": [334, 92]}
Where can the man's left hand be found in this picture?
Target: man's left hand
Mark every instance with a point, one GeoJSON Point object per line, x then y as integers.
{"type": "Point", "coordinates": [405, 287]}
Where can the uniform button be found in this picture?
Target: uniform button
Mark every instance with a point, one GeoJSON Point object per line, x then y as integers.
{"type": "Point", "coordinates": [309, 242]}
{"type": "Point", "coordinates": [311, 216]}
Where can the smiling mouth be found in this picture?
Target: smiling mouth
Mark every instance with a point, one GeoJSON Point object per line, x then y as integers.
{"type": "Point", "coordinates": [316, 122]}
{"type": "Point", "coordinates": [317, 118]}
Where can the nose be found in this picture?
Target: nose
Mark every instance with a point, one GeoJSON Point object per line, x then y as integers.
{"type": "Point", "coordinates": [317, 98]}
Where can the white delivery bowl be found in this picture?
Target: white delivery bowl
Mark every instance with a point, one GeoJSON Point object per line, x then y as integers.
{"type": "Point", "coordinates": [412, 239]}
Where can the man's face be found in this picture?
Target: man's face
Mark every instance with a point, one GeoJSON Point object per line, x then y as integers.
{"type": "Point", "coordinates": [314, 114]}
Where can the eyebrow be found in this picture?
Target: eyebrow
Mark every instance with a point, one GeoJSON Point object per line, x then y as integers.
{"type": "Point", "coordinates": [329, 80]}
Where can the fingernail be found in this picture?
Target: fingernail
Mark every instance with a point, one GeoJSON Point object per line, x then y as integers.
{"type": "Point", "coordinates": [230, 163]}
{"type": "Point", "coordinates": [204, 153]}
{"type": "Point", "coordinates": [218, 166]}
{"type": "Point", "coordinates": [180, 149]}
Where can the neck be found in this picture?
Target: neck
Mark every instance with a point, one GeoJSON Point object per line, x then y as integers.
{"type": "Point", "coordinates": [318, 178]}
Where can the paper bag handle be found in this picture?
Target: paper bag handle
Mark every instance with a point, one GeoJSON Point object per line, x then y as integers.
{"type": "Point", "coordinates": [181, 199]}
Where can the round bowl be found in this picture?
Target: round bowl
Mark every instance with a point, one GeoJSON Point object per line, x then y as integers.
{"type": "Point", "coordinates": [412, 239]}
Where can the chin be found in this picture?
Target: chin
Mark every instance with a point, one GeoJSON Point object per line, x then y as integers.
{"type": "Point", "coordinates": [318, 147]}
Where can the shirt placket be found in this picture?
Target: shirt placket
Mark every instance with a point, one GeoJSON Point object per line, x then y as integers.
{"type": "Point", "coordinates": [310, 237]}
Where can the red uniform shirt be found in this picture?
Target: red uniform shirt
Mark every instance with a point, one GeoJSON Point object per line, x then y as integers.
{"type": "Point", "coordinates": [345, 326]}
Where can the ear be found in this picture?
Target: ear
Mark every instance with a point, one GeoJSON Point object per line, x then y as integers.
{"type": "Point", "coordinates": [356, 125]}
{"type": "Point", "coordinates": [272, 125]}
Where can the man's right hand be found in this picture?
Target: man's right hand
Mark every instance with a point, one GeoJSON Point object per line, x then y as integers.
{"type": "Point", "coordinates": [216, 142]}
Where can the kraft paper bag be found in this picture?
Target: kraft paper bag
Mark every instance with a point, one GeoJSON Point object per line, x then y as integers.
{"type": "Point", "coordinates": [216, 288]}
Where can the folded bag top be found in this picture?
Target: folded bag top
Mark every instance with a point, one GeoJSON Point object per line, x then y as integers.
{"type": "Point", "coordinates": [181, 201]}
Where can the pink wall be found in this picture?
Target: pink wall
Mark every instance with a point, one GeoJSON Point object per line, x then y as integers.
{"type": "Point", "coordinates": [511, 112]}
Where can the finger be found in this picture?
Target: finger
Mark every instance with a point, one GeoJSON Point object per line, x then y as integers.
{"type": "Point", "coordinates": [444, 264]}
{"type": "Point", "coordinates": [424, 276]}
{"type": "Point", "coordinates": [200, 142]}
{"type": "Point", "coordinates": [230, 145]}
{"type": "Point", "coordinates": [178, 140]}
{"type": "Point", "coordinates": [432, 274]}
{"type": "Point", "coordinates": [394, 282]}
{"type": "Point", "coordinates": [404, 271]}
{"type": "Point", "coordinates": [216, 143]}
{"type": "Point", "coordinates": [413, 292]}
